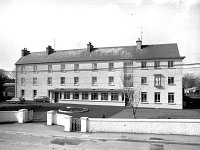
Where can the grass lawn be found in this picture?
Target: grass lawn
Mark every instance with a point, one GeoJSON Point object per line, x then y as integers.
{"type": "Point", "coordinates": [96, 111]}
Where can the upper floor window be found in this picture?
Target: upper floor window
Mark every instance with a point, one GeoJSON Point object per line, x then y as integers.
{"type": "Point", "coordinates": [111, 80]}
{"type": "Point", "coordinates": [50, 68]}
{"type": "Point", "coordinates": [128, 80]}
{"type": "Point", "coordinates": [62, 67]}
{"type": "Point", "coordinates": [49, 81]}
{"type": "Point", "coordinates": [35, 70]}
{"type": "Point", "coordinates": [170, 97]}
{"type": "Point", "coordinates": [143, 97]}
{"type": "Point", "coordinates": [111, 67]}
{"type": "Point", "coordinates": [170, 80]}
{"type": "Point", "coordinates": [34, 81]}
{"type": "Point", "coordinates": [94, 80]}
{"type": "Point", "coordinates": [94, 66]}
{"type": "Point", "coordinates": [143, 64]}
{"type": "Point", "coordinates": [170, 64]}
{"type": "Point", "coordinates": [22, 69]}
{"type": "Point", "coordinates": [128, 67]}
{"type": "Point", "coordinates": [76, 67]}
{"type": "Point", "coordinates": [62, 80]}
{"type": "Point", "coordinates": [156, 64]}
{"type": "Point", "coordinates": [157, 80]}
{"type": "Point", "coordinates": [22, 81]}
{"type": "Point", "coordinates": [76, 80]}
{"type": "Point", "coordinates": [157, 97]}
{"type": "Point", "coordinates": [143, 80]}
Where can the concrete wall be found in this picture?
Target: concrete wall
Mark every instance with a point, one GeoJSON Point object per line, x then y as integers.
{"type": "Point", "coordinates": [21, 116]}
{"type": "Point", "coordinates": [149, 126]}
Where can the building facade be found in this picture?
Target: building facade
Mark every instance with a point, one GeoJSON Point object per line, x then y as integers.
{"type": "Point", "coordinates": [99, 75]}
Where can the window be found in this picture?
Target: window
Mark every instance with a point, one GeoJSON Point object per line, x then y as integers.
{"type": "Point", "coordinates": [94, 80]}
{"type": "Point", "coordinates": [111, 67]}
{"type": "Point", "coordinates": [157, 97]}
{"type": "Point", "coordinates": [128, 80]}
{"type": "Point", "coordinates": [66, 95]}
{"type": "Point", "coordinates": [76, 67]}
{"type": "Point", "coordinates": [94, 66]}
{"type": "Point", "coordinates": [76, 80]}
{"type": "Point", "coordinates": [49, 81]}
{"type": "Point", "coordinates": [75, 95]}
{"type": "Point", "coordinates": [143, 80]}
{"type": "Point", "coordinates": [34, 81]}
{"type": "Point", "coordinates": [128, 67]}
{"type": "Point", "coordinates": [170, 64]}
{"type": "Point", "coordinates": [157, 80]}
{"type": "Point", "coordinates": [111, 80]}
{"type": "Point", "coordinates": [60, 95]}
{"type": "Point", "coordinates": [50, 68]}
{"type": "Point", "coordinates": [22, 81]}
{"type": "Point", "coordinates": [22, 69]}
{"type": "Point", "coordinates": [34, 93]}
{"type": "Point", "coordinates": [171, 97]}
{"type": "Point", "coordinates": [22, 93]}
{"type": "Point", "coordinates": [170, 80]}
{"type": "Point", "coordinates": [35, 69]}
{"type": "Point", "coordinates": [62, 67]}
{"type": "Point", "coordinates": [114, 96]}
{"type": "Point", "coordinates": [104, 96]}
{"type": "Point", "coordinates": [143, 97]}
{"type": "Point", "coordinates": [156, 64]}
{"type": "Point", "coordinates": [94, 96]}
{"type": "Point", "coordinates": [62, 80]}
{"type": "Point", "coordinates": [85, 96]}
{"type": "Point", "coordinates": [143, 64]}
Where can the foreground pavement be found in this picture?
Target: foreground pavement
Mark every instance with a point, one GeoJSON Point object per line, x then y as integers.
{"type": "Point", "coordinates": [40, 136]}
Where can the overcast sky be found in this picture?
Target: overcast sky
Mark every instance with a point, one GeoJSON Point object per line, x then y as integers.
{"type": "Point", "coordinates": [35, 24]}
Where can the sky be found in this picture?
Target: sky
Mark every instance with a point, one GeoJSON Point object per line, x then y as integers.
{"type": "Point", "coordinates": [71, 24]}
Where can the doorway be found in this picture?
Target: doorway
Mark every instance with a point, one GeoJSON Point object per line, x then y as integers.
{"type": "Point", "coordinates": [56, 97]}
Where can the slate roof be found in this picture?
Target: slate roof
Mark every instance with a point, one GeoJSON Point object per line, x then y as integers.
{"type": "Point", "coordinates": [159, 51]}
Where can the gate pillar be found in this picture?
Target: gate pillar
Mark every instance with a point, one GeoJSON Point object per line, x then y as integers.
{"type": "Point", "coordinates": [84, 124]}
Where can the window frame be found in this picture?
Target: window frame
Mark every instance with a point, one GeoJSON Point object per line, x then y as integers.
{"type": "Point", "coordinates": [23, 71]}
{"type": "Point", "coordinates": [66, 95]}
{"type": "Point", "coordinates": [76, 68]}
{"type": "Point", "coordinates": [157, 97]}
{"type": "Point", "coordinates": [76, 81]}
{"type": "Point", "coordinates": [143, 65]}
{"type": "Point", "coordinates": [170, 97]}
{"type": "Point", "coordinates": [94, 95]}
{"type": "Point", "coordinates": [22, 81]}
{"type": "Point", "coordinates": [170, 64]}
{"type": "Point", "coordinates": [35, 70]}
{"type": "Point", "coordinates": [49, 81]}
{"type": "Point", "coordinates": [171, 80]}
{"type": "Point", "coordinates": [113, 96]}
{"type": "Point", "coordinates": [34, 81]}
{"type": "Point", "coordinates": [103, 95]}
{"type": "Point", "coordinates": [157, 65]}
{"type": "Point", "coordinates": [143, 79]}
{"type": "Point", "coordinates": [34, 95]}
{"type": "Point", "coordinates": [50, 68]}
{"type": "Point", "coordinates": [76, 96]}
{"type": "Point", "coordinates": [157, 80]}
{"type": "Point", "coordinates": [144, 95]}
{"type": "Point", "coordinates": [94, 67]}
{"type": "Point", "coordinates": [85, 96]}
{"type": "Point", "coordinates": [94, 80]}
{"type": "Point", "coordinates": [22, 93]}
{"type": "Point", "coordinates": [111, 83]}
{"type": "Point", "coordinates": [61, 81]}
{"type": "Point", "coordinates": [62, 68]}
{"type": "Point", "coordinates": [111, 66]}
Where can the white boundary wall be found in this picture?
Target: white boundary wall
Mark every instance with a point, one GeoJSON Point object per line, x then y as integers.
{"type": "Point", "coordinates": [21, 116]}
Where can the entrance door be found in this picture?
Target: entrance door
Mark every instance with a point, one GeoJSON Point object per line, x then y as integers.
{"type": "Point", "coordinates": [56, 97]}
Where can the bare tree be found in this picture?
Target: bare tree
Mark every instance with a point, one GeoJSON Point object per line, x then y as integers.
{"type": "Point", "coordinates": [3, 77]}
{"type": "Point", "coordinates": [189, 80]}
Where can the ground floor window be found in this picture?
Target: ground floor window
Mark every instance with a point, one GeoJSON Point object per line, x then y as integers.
{"type": "Point", "coordinates": [94, 96]}
{"type": "Point", "coordinates": [104, 96]}
{"type": "Point", "coordinates": [157, 97]}
{"type": "Point", "coordinates": [85, 96]}
{"type": "Point", "coordinates": [143, 97]}
{"type": "Point", "coordinates": [114, 96]}
{"type": "Point", "coordinates": [22, 93]}
{"type": "Point", "coordinates": [75, 95]}
{"type": "Point", "coordinates": [170, 97]}
{"type": "Point", "coordinates": [34, 93]}
{"type": "Point", "coordinates": [66, 95]}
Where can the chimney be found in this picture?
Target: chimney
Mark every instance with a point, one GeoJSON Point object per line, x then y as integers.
{"type": "Point", "coordinates": [25, 52]}
{"type": "Point", "coordinates": [139, 44]}
{"type": "Point", "coordinates": [49, 50]}
{"type": "Point", "coordinates": [89, 47]}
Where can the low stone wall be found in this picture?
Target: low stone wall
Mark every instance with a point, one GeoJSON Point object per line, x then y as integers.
{"type": "Point", "coordinates": [20, 116]}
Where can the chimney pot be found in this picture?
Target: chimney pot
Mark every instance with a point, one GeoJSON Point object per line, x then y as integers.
{"type": "Point", "coordinates": [25, 52]}
{"type": "Point", "coordinates": [139, 44]}
{"type": "Point", "coordinates": [89, 47]}
{"type": "Point", "coordinates": [49, 50]}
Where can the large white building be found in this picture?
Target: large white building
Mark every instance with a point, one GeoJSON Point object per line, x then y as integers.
{"type": "Point", "coordinates": [96, 75]}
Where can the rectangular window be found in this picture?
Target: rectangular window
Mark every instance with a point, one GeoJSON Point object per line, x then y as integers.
{"type": "Point", "coordinates": [143, 64]}
{"type": "Point", "coordinates": [114, 96]}
{"type": "Point", "coordinates": [128, 67]}
{"type": "Point", "coordinates": [22, 69]}
{"type": "Point", "coordinates": [22, 81]}
{"type": "Point", "coordinates": [22, 93]}
{"type": "Point", "coordinates": [94, 66]}
{"type": "Point", "coordinates": [76, 67]}
{"type": "Point", "coordinates": [50, 68]}
{"type": "Point", "coordinates": [104, 96]}
{"type": "Point", "coordinates": [76, 80]}
{"type": "Point", "coordinates": [66, 95]}
{"type": "Point", "coordinates": [94, 80]}
{"type": "Point", "coordinates": [157, 80]}
{"type": "Point", "coordinates": [85, 96]}
{"type": "Point", "coordinates": [60, 95]}
{"type": "Point", "coordinates": [34, 93]}
{"type": "Point", "coordinates": [128, 80]}
{"type": "Point", "coordinates": [170, 80]}
{"type": "Point", "coordinates": [49, 81]}
{"type": "Point", "coordinates": [94, 96]}
{"type": "Point", "coordinates": [62, 80]}
{"type": "Point", "coordinates": [143, 97]}
{"type": "Point", "coordinates": [76, 95]}
{"type": "Point", "coordinates": [156, 64]}
{"type": "Point", "coordinates": [143, 80]}
{"type": "Point", "coordinates": [34, 81]}
{"type": "Point", "coordinates": [170, 64]}
{"type": "Point", "coordinates": [35, 69]}
{"type": "Point", "coordinates": [62, 67]}
{"type": "Point", "coordinates": [171, 97]}
{"type": "Point", "coordinates": [111, 81]}
{"type": "Point", "coordinates": [111, 67]}
{"type": "Point", "coordinates": [157, 97]}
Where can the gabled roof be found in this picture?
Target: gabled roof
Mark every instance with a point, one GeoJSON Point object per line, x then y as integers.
{"type": "Point", "coordinates": [159, 51]}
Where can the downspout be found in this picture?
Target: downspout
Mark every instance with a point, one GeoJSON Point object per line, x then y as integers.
{"type": "Point", "coordinates": [16, 80]}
